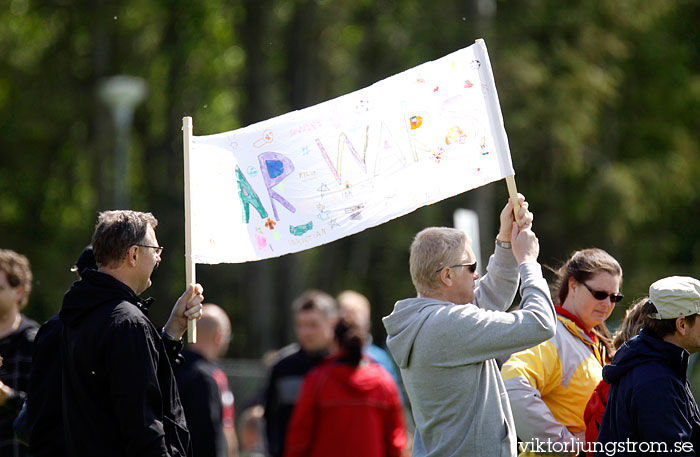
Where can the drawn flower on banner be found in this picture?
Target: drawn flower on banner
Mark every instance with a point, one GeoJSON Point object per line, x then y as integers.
{"type": "Point", "coordinates": [270, 224]}
{"type": "Point", "coordinates": [455, 135]}
{"type": "Point", "coordinates": [416, 121]}
{"type": "Point", "coordinates": [266, 138]}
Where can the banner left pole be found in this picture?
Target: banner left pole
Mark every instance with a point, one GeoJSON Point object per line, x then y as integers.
{"type": "Point", "coordinates": [190, 265]}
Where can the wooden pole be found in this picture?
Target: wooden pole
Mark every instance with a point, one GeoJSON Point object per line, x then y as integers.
{"type": "Point", "coordinates": [513, 194]}
{"type": "Point", "coordinates": [190, 266]}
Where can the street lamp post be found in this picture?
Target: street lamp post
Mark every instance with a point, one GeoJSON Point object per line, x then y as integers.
{"type": "Point", "coordinates": [122, 94]}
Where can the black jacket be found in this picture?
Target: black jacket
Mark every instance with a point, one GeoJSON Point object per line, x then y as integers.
{"type": "Point", "coordinates": [201, 400]}
{"type": "Point", "coordinates": [40, 422]}
{"type": "Point", "coordinates": [650, 399]}
{"type": "Point", "coordinates": [119, 393]}
{"type": "Point", "coordinates": [282, 392]}
{"type": "Point", "coordinates": [16, 350]}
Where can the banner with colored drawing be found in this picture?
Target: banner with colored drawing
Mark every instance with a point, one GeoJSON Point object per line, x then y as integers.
{"type": "Point", "coordinates": [313, 176]}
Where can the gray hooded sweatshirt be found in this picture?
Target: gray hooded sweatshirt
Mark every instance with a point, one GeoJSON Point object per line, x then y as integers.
{"type": "Point", "coordinates": [447, 354]}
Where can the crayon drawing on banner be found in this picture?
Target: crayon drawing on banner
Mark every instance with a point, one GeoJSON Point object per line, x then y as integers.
{"type": "Point", "coordinates": [313, 176]}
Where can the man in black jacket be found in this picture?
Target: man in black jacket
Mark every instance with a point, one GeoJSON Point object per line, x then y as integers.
{"type": "Point", "coordinates": [40, 423]}
{"type": "Point", "coordinates": [203, 387]}
{"type": "Point", "coordinates": [650, 406]}
{"type": "Point", "coordinates": [119, 394]}
{"type": "Point", "coordinates": [315, 316]}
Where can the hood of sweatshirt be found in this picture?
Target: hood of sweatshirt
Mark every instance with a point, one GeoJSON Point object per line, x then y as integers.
{"type": "Point", "coordinates": [404, 324]}
{"type": "Point", "coordinates": [94, 290]}
{"type": "Point", "coordinates": [645, 348]}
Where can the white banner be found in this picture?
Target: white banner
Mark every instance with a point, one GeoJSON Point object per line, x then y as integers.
{"type": "Point", "coordinates": [313, 176]}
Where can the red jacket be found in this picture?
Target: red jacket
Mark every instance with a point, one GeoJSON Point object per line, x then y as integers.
{"type": "Point", "coordinates": [593, 415]}
{"type": "Point", "coordinates": [346, 411]}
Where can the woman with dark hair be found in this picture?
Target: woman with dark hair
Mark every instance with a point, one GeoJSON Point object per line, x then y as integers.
{"type": "Point", "coordinates": [550, 384]}
{"type": "Point", "coordinates": [348, 406]}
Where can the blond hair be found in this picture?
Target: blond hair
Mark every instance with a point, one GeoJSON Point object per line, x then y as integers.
{"type": "Point", "coordinates": [432, 249]}
{"type": "Point", "coordinates": [355, 309]}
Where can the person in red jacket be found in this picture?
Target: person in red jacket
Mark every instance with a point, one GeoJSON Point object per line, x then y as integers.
{"type": "Point", "coordinates": [348, 406]}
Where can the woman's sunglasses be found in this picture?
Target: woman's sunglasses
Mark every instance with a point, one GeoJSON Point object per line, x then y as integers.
{"type": "Point", "coordinates": [600, 295]}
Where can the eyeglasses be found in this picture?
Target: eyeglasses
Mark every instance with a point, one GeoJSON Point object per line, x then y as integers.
{"type": "Point", "coordinates": [471, 266]}
{"type": "Point", "coordinates": [159, 249]}
{"type": "Point", "coordinates": [600, 295]}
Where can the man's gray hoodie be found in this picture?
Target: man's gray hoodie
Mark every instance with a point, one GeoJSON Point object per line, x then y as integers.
{"type": "Point", "coordinates": [447, 354]}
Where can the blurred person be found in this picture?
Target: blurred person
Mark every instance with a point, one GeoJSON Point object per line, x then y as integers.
{"type": "Point", "coordinates": [315, 316]}
{"type": "Point", "coordinates": [119, 395]}
{"type": "Point", "coordinates": [349, 406]}
{"type": "Point", "coordinates": [17, 333]}
{"type": "Point", "coordinates": [446, 340]}
{"type": "Point", "coordinates": [650, 400]}
{"type": "Point", "coordinates": [550, 384]}
{"type": "Point", "coordinates": [40, 422]}
{"type": "Point", "coordinates": [203, 387]}
{"type": "Point", "coordinates": [252, 431]}
{"type": "Point", "coordinates": [354, 307]}
{"type": "Point", "coordinates": [634, 320]}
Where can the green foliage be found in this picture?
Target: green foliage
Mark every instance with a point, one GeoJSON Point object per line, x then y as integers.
{"type": "Point", "coordinates": [601, 102]}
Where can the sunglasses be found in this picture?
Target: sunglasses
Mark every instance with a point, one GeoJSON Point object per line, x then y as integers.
{"type": "Point", "coordinates": [470, 266]}
{"type": "Point", "coordinates": [600, 295]}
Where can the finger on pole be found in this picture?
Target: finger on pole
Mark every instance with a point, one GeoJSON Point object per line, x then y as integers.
{"type": "Point", "coordinates": [192, 331]}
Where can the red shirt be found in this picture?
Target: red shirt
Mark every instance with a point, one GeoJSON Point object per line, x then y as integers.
{"type": "Point", "coordinates": [346, 411]}
{"type": "Point", "coordinates": [595, 408]}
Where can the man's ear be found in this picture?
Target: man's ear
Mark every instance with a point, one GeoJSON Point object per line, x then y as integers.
{"type": "Point", "coordinates": [446, 276]}
{"type": "Point", "coordinates": [132, 255]}
{"type": "Point", "coordinates": [681, 325]}
{"type": "Point", "coordinates": [218, 336]}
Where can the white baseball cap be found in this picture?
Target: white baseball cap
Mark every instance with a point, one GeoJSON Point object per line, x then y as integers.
{"type": "Point", "coordinates": [675, 296]}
